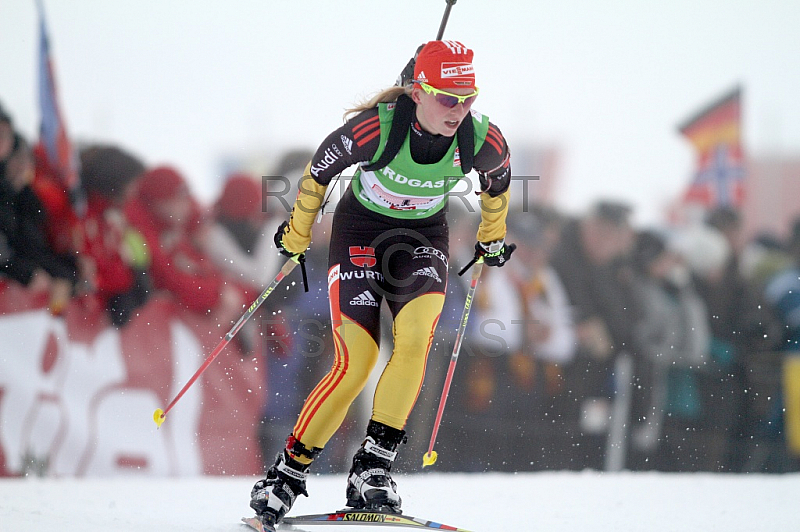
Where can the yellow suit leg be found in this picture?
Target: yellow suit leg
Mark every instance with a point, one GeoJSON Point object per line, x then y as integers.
{"type": "Point", "coordinates": [327, 404]}
{"type": "Point", "coordinates": [400, 384]}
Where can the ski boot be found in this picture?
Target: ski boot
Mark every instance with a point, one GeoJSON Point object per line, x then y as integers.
{"type": "Point", "coordinates": [369, 484]}
{"type": "Point", "coordinates": [272, 497]}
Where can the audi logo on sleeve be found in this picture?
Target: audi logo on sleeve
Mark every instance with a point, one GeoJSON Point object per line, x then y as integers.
{"type": "Point", "coordinates": [423, 252]}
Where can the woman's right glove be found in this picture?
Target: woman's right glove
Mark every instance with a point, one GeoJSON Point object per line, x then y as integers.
{"type": "Point", "coordinates": [300, 257]}
{"type": "Point", "coordinates": [286, 241]}
{"type": "Point", "coordinates": [283, 230]}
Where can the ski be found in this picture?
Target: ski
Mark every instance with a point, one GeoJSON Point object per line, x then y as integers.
{"type": "Point", "coordinates": [255, 524]}
{"type": "Point", "coordinates": [354, 517]}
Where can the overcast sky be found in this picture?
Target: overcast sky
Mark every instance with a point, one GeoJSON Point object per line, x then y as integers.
{"type": "Point", "coordinates": [187, 83]}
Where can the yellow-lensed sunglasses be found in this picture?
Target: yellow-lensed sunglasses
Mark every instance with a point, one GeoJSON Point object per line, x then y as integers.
{"type": "Point", "coordinates": [448, 99]}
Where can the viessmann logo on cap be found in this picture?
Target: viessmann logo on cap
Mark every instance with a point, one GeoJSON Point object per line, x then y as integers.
{"type": "Point", "coordinates": [457, 70]}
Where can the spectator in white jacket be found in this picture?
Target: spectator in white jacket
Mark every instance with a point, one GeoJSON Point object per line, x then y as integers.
{"type": "Point", "coordinates": [515, 367]}
{"type": "Point", "coordinates": [240, 240]}
{"type": "Point", "coordinates": [523, 310]}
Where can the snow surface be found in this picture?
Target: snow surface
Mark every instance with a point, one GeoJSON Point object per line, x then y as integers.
{"type": "Point", "coordinates": [550, 501]}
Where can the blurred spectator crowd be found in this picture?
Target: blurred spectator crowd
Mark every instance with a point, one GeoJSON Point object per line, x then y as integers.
{"type": "Point", "coordinates": [661, 347]}
{"type": "Point", "coordinates": [606, 346]}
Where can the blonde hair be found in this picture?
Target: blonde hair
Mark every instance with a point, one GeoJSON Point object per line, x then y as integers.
{"type": "Point", "coordinates": [387, 95]}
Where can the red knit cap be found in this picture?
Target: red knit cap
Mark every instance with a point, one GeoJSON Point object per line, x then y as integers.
{"type": "Point", "coordinates": [445, 65]}
{"type": "Point", "coordinates": [241, 198]}
{"type": "Point", "coordinates": [161, 183]}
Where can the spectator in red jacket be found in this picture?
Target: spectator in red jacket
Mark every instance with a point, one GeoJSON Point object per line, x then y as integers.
{"type": "Point", "coordinates": [63, 225]}
{"type": "Point", "coordinates": [170, 221]}
{"type": "Point", "coordinates": [114, 250]}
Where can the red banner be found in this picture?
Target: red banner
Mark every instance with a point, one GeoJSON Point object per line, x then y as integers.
{"type": "Point", "coordinates": [77, 396]}
{"type": "Point", "coordinates": [715, 133]}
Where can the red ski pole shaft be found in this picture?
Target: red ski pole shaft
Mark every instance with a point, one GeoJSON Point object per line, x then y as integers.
{"type": "Point", "coordinates": [430, 457]}
{"type": "Point", "coordinates": [159, 415]}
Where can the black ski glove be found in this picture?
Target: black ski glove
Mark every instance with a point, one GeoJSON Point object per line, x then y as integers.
{"type": "Point", "coordinates": [298, 257]}
{"type": "Point", "coordinates": [495, 253]}
{"type": "Point", "coordinates": [282, 230]}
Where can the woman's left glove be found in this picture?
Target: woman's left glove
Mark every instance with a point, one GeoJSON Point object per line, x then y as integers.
{"type": "Point", "coordinates": [495, 253]}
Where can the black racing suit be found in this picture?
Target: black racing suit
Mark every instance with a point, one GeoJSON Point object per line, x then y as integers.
{"type": "Point", "coordinates": [374, 257]}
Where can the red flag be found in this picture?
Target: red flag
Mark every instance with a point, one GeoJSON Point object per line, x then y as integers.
{"type": "Point", "coordinates": [715, 133]}
{"type": "Point", "coordinates": [60, 156]}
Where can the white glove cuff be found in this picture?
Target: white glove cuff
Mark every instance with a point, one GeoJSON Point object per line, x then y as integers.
{"type": "Point", "coordinates": [494, 246]}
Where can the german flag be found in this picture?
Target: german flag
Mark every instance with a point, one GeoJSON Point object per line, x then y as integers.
{"type": "Point", "coordinates": [715, 134]}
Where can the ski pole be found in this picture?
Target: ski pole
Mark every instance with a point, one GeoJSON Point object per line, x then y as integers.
{"type": "Point", "coordinates": [430, 457]}
{"type": "Point", "coordinates": [159, 415]}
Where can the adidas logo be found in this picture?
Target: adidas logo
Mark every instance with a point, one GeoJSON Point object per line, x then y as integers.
{"type": "Point", "coordinates": [365, 298]}
{"type": "Point", "coordinates": [429, 271]}
{"type": "Point", "coordinates": [347, 143]}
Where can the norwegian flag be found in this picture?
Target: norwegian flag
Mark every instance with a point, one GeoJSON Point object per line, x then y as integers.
{"type": "Point", "coordinates": [61, 158]}
{"type": "Point", "coordinates": [715, 133]}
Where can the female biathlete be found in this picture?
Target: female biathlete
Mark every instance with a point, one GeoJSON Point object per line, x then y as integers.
{"type": "Point", "coordinates": [389, 241]}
